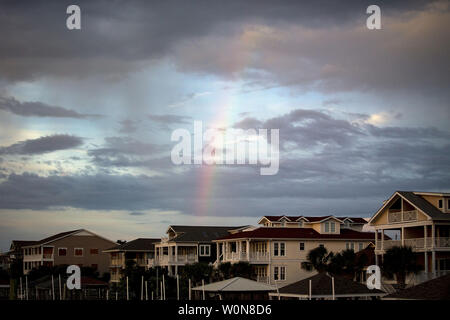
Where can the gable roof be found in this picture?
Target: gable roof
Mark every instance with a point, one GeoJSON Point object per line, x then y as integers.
{"type": "Point", "coordinates": [424, 206]}
{"type": "Point", "coordinates": [60, 236]}
{"type": "Point", "coordinates": [417, 201]}
{"type": "Point", "coordinates": [200, 233]}
{"type": "Point", "coordinates": [357, 220]}
{"type": "Point", "coordinates": [140, 244]}
{"type": "Point", "coordinates": [298, 233]}
{"type": "Point", "coordinates": [236, 284]}
{"type": "Point", "coordinates": [321, 286]}
{"type": "Point", "coordinates": [436, 289]}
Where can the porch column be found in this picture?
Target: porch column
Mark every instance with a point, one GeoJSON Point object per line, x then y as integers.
{"type": "Point", "coordinates": [217, 251]}
{"type": "Point", "coordinates": [425, 235]}
{"type": "Point", "coordinates": [382, 238]}
{"type": "Point", "coordinates": [403, 236]}
{"type": "Point", "coordinates": [426, 261]}
{"type": "Point", "coordinates": [433, 237]}
{"type": "Point", "coordinates": [248, 249]}
{"type": "Point", "coordinates": [433, 262]}
{"type": "Point", "coordinates": [376, 239]}
{"type": "Point", "coordinates": [176, 253]}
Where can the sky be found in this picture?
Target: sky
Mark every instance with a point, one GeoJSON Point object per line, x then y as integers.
{"type": "Point", "coordinates": [86, 116]}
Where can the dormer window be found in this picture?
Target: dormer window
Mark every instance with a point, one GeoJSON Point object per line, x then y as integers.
{"type": "Point", "coordinates": [330, 227]}
{"type": "Point", "coordinates": [300, 223]}
{"type": "Point", "coordinates": [441, 204]}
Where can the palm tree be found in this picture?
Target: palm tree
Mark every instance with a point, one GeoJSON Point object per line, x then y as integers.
{"type": "Point", "coordinates": [318, 259]}
{"type": "Point", "coordinates": [343, 263]}
{"type": "Point", "coordinates": [400, 261]}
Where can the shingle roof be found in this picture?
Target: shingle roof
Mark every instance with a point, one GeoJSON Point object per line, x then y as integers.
{"type": "Point", "coordinates": [236, 284]}
{"type": "Point", "coordinates": [54, 237]}
{"type": "Point", "coordinates": [299, 233]}
{"type": "Point", "coordinates": [436, 289]}
{"type": "Point", "coordinates": [200, 233]}
{"type": "Point", "coordinates": [321, 285]}
{"type": "Point", "coordinates": [424, 205]}
{"type": "Point", "coordinates": [314, 219]}
{"type": "Point", "coordinates": [140, 244]}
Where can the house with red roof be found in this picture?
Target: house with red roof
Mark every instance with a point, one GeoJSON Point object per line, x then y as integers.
{"type": "Point", "coordinates": [277, 248]}
{"type": "Point", "coordinates": [422, 222]}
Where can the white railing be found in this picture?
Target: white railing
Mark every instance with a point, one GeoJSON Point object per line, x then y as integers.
{"type": "Point", "coordinates": [259, 256]}
{"type": "Point", "coordinates": [165, 259]}
{"type": "Point", "coordinates": [402, 216]}
{"type": "Point", "coordinates": [264, 279]}
{"type": "Point", "coordinates": [416, 243]}
{"type": "Point", "coordinates": [242, 256]}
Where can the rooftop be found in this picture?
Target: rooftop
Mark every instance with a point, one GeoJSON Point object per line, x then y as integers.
{"type": "Point", "coordinates": [299, 233]}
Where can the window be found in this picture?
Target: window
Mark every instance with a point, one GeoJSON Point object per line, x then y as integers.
{"type": "Point", "coordinates": [279, 249]}
{"type": "Point", "coordinates": [62, 252]}
{"type": "Point", "coordinates": [327, 227]}
{"type": "Point", "coordinates": [440, 203]}
{"type": "Point", "coordinates": [282, 273]}
{"type": "Point", "coordinates": [279, 273]}
{"type": "Point", "coordinates": [352, 246]}
{"type": "Point", "coordinates": [322, 245]}
{"type": "Point", "coordinates": [448, 204]}
{"type": "Point", "coordinates": [360, 246]}
{"type": "Point", "coordinates": [302, 246]}
{"type": "Point", "coordinates": [300, 224]}
{"type": "Point", "coordinates": [78, 252]}
{"type": "Point", "coordinates": [94, 251]}
{"type": "Point", "coordinates": [333, 226]}
{"type": "Point", "coordinates": [205, 250]}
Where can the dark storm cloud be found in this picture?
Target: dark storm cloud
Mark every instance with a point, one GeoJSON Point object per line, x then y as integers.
{"type": "Point", "coordinates": [126, 152]}
{"type": "Point", "coordinates": [307, 128]}
{"type": "Point", "coordinates": [168, 119]}
{"type": "Point", "coordinates": [43, 145]}
{"type": "Point", "coordinates": [39, 109]}
{"type": "Point", "coordinates": [128, 126]}
{"type": "Point", "coordinates": [366, 167]}
{"type": "Point", "coordinates": [119, 36]}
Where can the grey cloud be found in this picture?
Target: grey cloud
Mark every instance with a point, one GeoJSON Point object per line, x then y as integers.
{"type": "Point", "coordinates": [128, 126]}
{"type": "Point", "coordinates": [36, 41]}
{"type": "Point", "coordinates": [167, 119]}
{"type": "Point", "coordinates": [43, 145]}
{"type": "Point", "coordinates": [39, 109]}
{"type": "Point", "coordinates": [128, 152]}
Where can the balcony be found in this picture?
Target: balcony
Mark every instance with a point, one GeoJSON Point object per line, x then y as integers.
{"type": "Point", "coordinates": [255, 256]}
{"type": "Point", "coordinates": [418, 244]}
{"type": "Point", "coordinates": [166, 259]}
{"type": "Point", "coordinates": [402, 216]}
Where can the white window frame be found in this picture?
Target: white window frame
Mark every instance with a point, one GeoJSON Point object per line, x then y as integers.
{"type": "Point", "coordinates": [82, 252]}
{"type": "Point", "coordinates": [276, 272]}
{"type": "Point", "coordinates": [332, 227]}
{"type": "Point", "coordinates": [204, 250]}
{"type": "Point", "coordinates": [300, 246]}
{"type": "Point", "coordinates": [282, 274]}
{"type": "Point", "coordinates": [277, 249]}
{"type": "Point", "coordinates": [66, 252]}
{"type": "Point", "coordinates": [326, 227]}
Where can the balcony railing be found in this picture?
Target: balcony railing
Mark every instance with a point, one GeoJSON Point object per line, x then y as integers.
{"type": "Point", "coordinates": [402, 216]}
{"type": "Point", "coordinates": [255, 256]}
{"type": "Point", "coordinates": [166, 259]}
{"type": "Point", "coordinates": [416, 243]}
{"type": "Point", "coordinates": [264, 279]}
